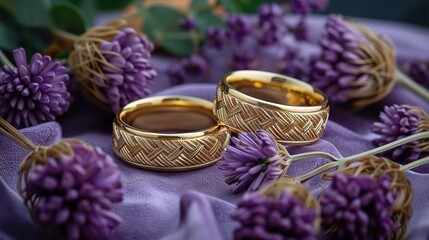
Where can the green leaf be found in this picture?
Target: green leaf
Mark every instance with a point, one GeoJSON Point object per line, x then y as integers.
{"type": "Point", "coordinates": [68, 17]}
{"type": "Point", "coordinates": [33, 13]}
{"type": "Point", "coordinates": [207, 20]}
{"type": "Point", "coordinates": [197, 6]}
{"type": "Point", "coordinates": [9, 40]}
{"type": "Point", "coordinates": [161, 24]}
{"type": "Point", "coordinates": [177, 43]}
{"type": "Point", "coordinates": [231, 6]}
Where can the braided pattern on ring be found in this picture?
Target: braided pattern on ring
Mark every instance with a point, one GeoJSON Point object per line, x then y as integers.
{"type": "Point", "coordinates": [294, 128]}
{"type": "Point", "coordinates": [169, 154]}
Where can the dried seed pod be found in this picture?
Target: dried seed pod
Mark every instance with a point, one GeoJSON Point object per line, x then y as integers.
{"type": "Point", "coordinates": [364, 190]}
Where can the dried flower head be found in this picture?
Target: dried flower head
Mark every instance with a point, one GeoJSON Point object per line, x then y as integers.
{"type": "Point", "coordinates": [270, 23]}
{"type": "Point", "coordinates": [418, 70]}
{"type": "Point", "coordinates": [369, 198]}
{"type": "Point", "coordinates": [281, 210]}
{"type": "Point", "coordinates": [356, 66]}
{"type": "Point", "coordinates": [70, 189]}
{"type": "Point", "coordinates": [399, 121]}
{"type": "Point", "coordinates": [243, 59]}
{"type": "Point", "coordinates": [195, 65]}
{"type": "Point", "coordinates": [33, 93]}
{"type": "Point", "coordinates": [358, 207]}
{"type": "Point", "coordinates": [112, 65]}
{"type": "Point", "coordinates": [251, 160]}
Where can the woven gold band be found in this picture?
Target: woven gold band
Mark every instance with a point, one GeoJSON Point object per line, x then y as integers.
{"type": "Point", "coordinates": [293, 111]}
{"type": "Point", "coordinates": [169, 133]}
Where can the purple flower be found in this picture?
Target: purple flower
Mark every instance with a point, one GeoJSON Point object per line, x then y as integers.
{"type": "Point", "coordinates": [300, 30]}
{"type": "Point", "coordinates": [195, 65]}
{"type": "Point", "coordinates": [243, 59]}
{"type": "Point", "coordinates": [355, 66]}
{"type": "Point", "coordinates": [319, 5]}
{"type": "Point", "coordinates": [131, 73]}
{"type": "Point", "coordinates": [396, 122]}
{"type": "Point", "coordinates": [358, 207]}
{"type": "Point", "coordinates": [176, 74]}
{"type": "Point", "coordinates": [33, 93]}
{"type": "Point", "coordinates": [268, 218]}
{"type": "Point", "coordinates": [187, 24]}
{"type": "Point", "coordinates": [75, 194]}
{"type": "Point", "coordinates": [215, 37]}
{"type": "Point", "coordinates": [293, 64]}
{"type": "Point", "coordinates": [270, 13]}
{"type": "Point", "coordinates": [418, 70]}
{"type": "Point", "coordinates": [251, 160]}
{"type": "Point", "coordinates": [302, 7]}
{"type": "Point", "coordinates": [238, 28]}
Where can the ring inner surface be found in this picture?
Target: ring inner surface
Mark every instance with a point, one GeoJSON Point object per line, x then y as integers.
{"type": "Point", "coordinates": [275, 92]}
{"type": "Point", "coordinates": [171, 119]}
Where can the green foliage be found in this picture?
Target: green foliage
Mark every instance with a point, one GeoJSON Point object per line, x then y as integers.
{"type": "Point", "coordinates": [68, 17]}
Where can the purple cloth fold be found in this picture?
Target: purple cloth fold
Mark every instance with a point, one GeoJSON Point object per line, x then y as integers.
{"type": "Point", "coordinates": [197, 204]}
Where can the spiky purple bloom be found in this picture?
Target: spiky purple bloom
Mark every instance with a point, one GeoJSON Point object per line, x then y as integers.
{"type": "Point", "coordinates": [195, 65]}
{"type": "Point", "coordinates": [396, 122]}
{"type": "Point", "coordinates": [215, 37]}
{"type": "Point", "coordinates": [358, 207]}
{"type": "Point", "coordinates": [293, 64]}
{"type": "Point", "coordinates": [188, 24]}
{"type": "Point", "coordinates": [33, 93]}
{"type": "Point", "coordinates": [251, 160]}
{"type": "Point", "coordinates": [335, 71]}
{"type": "Point", "coordinates": [176, 74]}
{"type": "Point", "coordinates": [418, 70]}
{"type": "Point", "coordinates": [75, 194]}
{"type": "Point", "coordinates": [132, 74]}
{"type": "Point", "coordinates": [304, 7]}
{"type": "Point", "coordinates": [243, 59]}
{"type": "Point", "coordinates": [267, 218]}
{"type": "Point", "coordinates": [238, 28]}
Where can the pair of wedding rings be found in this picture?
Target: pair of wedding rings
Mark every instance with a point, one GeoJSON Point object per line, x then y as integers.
{"type": "Point", "coordinates": [178, 133]}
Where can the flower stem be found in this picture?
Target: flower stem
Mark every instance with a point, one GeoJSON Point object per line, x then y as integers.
{"type": "Point", "coordinates": [341, 161]}
{"type": "Point", "coordinates": [412, 85]}
{"type": "Point", "coordinates": [65, 35]}
{"type": "Point", "coordinates": [5, 60]}
{"type": "Point", "coordinates": [13, 134]}
{"type": "Point", "coordinates": [415, 164]}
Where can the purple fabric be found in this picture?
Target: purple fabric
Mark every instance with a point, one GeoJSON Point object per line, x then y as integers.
{"type": "Point", "coordinates": [197, 204]}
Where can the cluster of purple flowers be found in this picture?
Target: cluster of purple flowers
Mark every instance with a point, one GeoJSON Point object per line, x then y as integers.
{"type": "Point", "coordinates": [195, 65]}
{"type": "Point", "coordinates": [241, 33]}
{"type": "Point", "coordinates": [418, 70]}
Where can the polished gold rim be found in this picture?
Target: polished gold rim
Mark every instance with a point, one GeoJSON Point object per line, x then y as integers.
{"type": "Point", "coordinates": [171, 151]}
{"type": "Point", "coordinates": [294, 112]}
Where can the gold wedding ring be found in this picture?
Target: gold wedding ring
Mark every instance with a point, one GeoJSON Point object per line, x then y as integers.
{"type": "Point", "coordinates": [294, 112]}
{"type": "Point", "coordinates": [169, 133]}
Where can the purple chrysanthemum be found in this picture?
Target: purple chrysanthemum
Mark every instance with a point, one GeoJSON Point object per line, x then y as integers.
{"type": "Point", "coordinates": [418, 70]}
{"type": "Point", "coordinates": [33, 93]}
{"type": "Point", "coordinates": [293, 64]}
{"type": "Point", "coordinates": [243, 59]}
{"type": "Point", "coordinates": [215, 37]}
{"type": "Point", "coordinates": [75, 194]}
{"type": "Point", "coordinates": [188, 24]}
{"type": "Point", "coordinates": [357, 207]}
{"type": "Point", "coordinates": [396, 122]}
{"type": "Point", "coordinates": [251, 160]}
{"type": "Point", "coordinates": [195, 65]}
{"type": "Point", "coordinates": [340, 71]}
{"type": "Point", "coordinates": [238, 28]}
{"type": "Point", "coordinates": [268, 218]}
{"type": "Point", "coordinates": [131, 73]}
{"type": "Point", "coordinates": [176, 74]}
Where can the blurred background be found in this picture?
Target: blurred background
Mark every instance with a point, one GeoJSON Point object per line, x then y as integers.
{"type": "Point", "coordinates": [410, 11]}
